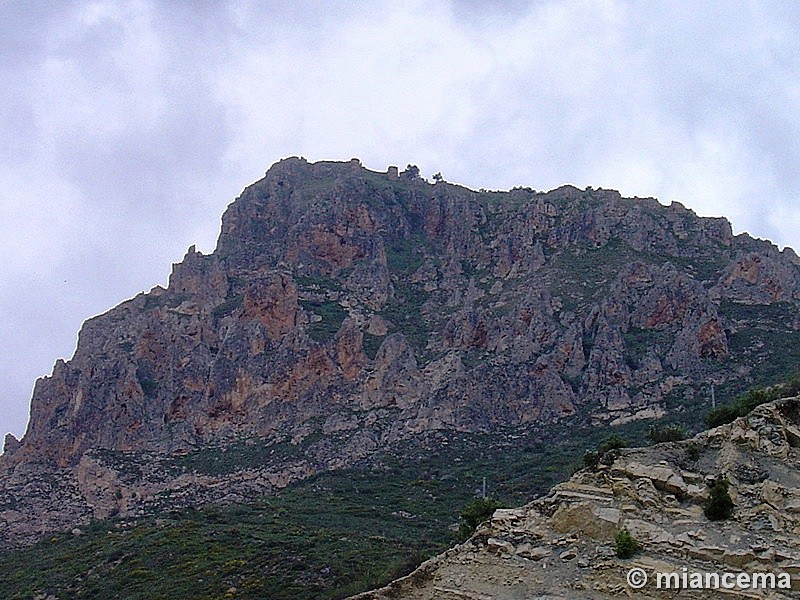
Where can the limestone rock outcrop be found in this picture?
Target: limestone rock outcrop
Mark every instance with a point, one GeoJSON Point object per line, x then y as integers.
{"type": "Point", "coordinates": [560, 546]}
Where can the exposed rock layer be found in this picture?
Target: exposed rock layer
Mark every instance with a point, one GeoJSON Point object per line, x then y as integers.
{"type": "Point", "coordinates": [560, 546]}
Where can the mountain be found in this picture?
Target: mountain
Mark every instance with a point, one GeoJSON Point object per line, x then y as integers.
{"type": "Point", "coordinates": [561, 546]}
{"type": "Point", "coordinates": [352, 319]}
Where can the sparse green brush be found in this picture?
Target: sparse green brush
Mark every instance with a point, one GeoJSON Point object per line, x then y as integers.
{"type": "Point", "coordinates": [719, 505]}
{"type": "Point", "coordinates": [332, 314]}
{"type": "Point", "coordinates": [604, 452]}
{"type": "Point", "coordinates": [625, 545]}
{"type": "Point", "coordinates": [327, 538]}
{"type": "Point", "coordinates": [475, 513]}
{"type": "Point", "coordinates": [590, 459]}
{"type": "Point", "coordinates": [228, 306]}
{"type": "Point", "coordinates": [613, 442]}
{"type": "Point", "coordinates": [693, 452]}
{"type": "Point", "coordinates": [754, 397]}
{"type": "Point", "coordinates": [666, 433]}
{"type": "Point", "coordinates": [406, 316]}
{"type": "Point", "coordinates": [405, 255]}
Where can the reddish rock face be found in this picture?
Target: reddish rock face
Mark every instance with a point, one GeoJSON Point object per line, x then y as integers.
{"type": "Point", "coordinates": [272, 300]}
{"type": "Point", "coordinates": [760, 278]}
{"type": "Point", "coordinates": [331, 247]}
{"type": "Point", "coordinates": [746, 269]}
{"type": "Point", "coordinates": [342, 299]}
{"type": "Point", "coordinates": [712, 340]}
{"type": "Point", "coordinates": [543, 280]}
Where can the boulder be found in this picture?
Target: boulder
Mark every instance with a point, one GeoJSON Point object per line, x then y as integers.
{"type": "Point", "coordinates": [663, 477]}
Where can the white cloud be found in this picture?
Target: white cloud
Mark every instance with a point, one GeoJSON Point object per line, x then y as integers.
{"type": "Point", "coordinates": [38, 215]}
{"type": "Point", "coordinates": [376, 86]}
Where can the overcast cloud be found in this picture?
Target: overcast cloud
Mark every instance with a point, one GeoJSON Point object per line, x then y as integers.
{"type": "Point", "coordinates": [128, 126]}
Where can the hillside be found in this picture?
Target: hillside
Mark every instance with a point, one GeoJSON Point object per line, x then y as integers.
{"type": "Point", "coordinates": [368, 326]}
{"type": "Point", "coordinates": [561, 546]}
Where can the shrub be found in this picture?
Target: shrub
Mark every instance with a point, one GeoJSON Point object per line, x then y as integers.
{"type": "Point", "coordinates": [720, 416]}
{"type": "Point", "coordinates": [667, 433]}
{"type": "Point", "coordinates": [614, 442]}
{"type": "Point", "coordinates": [475, 513]}
{"type": "Point", "coordinates": [719, 505]}
{"type": "Point", "coordinates": [590, 459]}
{"type": "Point", "coordinates": [625, 545]}
{"type": "Point", "coordinates": [693, 452]}
{"type": "Point", "coordinates": [228, 306]}
{"type": "Point", "coordinates": [609, 457]}
{"type": "Point", "coordinates": [604, 452]}
{"type": "Point", "coordinates": [147, 381]}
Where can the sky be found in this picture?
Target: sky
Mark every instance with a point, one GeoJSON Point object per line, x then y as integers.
{"type": "Point", "coordinates": [127, 126]}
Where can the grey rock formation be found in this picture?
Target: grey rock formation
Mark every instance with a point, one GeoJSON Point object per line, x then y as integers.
{"type": "Point", "coordinates": [657, 494]}
{"type": "Point", "coordinates": [365, 309]}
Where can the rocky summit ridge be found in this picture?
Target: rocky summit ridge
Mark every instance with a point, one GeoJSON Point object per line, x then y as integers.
{"type": "Point", "coordinates": [561, 546]}
{"type": "Point", "coordinates": [346, 311]}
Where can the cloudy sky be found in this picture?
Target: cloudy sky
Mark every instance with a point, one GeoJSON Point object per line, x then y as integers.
{"type": "Point", "coordinates": [126, 127]}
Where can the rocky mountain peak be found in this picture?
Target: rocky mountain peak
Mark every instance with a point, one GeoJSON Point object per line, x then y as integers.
{"type": "Point", "coordinates": [346, 310]}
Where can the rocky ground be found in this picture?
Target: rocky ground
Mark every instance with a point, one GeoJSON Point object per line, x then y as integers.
{"type": "Point", "coordinates": [561, 545]}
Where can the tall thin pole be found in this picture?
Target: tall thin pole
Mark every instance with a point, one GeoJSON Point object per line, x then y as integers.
{"type": "Point", "coordinates": [484, 488]}
{"type": "Point", "coordinates": [713, 398]}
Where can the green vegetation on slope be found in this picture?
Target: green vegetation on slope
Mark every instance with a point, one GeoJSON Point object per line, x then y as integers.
{"type": "Point", "coordinates": [332, 316]}
{"type": "Point", "coordinates": [751, 399]}
{"type": "Point", "coordinates": [757, 330]}
{"type": "Point", "coordinates": [625, 545]}
{"type": "Point", "coordinates": [327, 537]}
{"type": "Point", "coordinates": [475, 513]}
{"type": "Point", "coordinates": [719, 505]}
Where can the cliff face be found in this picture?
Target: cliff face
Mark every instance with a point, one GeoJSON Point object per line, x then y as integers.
{"type": "Point", "coordinates": [347, 309]}
{"type": "Point", "coordinates": [560, 546]}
